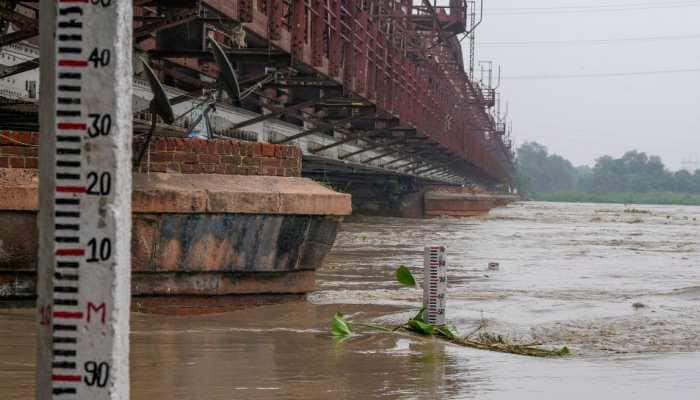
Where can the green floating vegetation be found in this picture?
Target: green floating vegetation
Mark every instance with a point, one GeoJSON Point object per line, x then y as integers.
{"type": "Point", "coordinates": [419, 325]}
{"type": "Point", "coordinates": [487, 341]}
{"type": "Point", "coordinates": [342, 329]}
{"type": "Point", "coordinates": [339, 326]}
{"type": "Point", "coordinates": [405, 277]}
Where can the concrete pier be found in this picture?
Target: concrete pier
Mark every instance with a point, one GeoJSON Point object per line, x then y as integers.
{"type": "Point", "coordinates": [451, 204]}
{"type": "Point", "coordinates": [194, 234]}
{"type": "Point", "coordinates": [219, 222]}
{"type": "Point", "coordinates": [410, 198]}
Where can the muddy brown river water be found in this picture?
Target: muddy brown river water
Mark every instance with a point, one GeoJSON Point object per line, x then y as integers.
{"type": "Point", "coordinates": [569, 275]}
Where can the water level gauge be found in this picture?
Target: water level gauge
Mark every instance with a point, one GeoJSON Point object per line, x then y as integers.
{"type": "Point", "coordinates": [85, 199]}
{"type": "Point", "coordinates": [434, 284]}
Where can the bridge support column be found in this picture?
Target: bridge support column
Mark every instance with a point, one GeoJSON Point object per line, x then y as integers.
{"type": "Point", "coordinates": [203, 235]}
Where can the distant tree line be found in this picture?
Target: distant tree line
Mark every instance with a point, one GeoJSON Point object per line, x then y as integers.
{"type": "Point", "coordinates": [540, 173]}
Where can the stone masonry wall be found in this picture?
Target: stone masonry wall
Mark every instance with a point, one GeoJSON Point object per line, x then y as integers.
{"type": "Point", "coordinates": [176, 155]}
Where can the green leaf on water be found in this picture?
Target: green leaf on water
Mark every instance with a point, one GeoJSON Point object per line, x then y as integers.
{"type": "Point", "coordinates": [564, 351]}
{"type": "Point", "coordinates": [421, 327]}
{"type": "Point", "coordinates": [405, 277]}
{"type": "Point", "coordinates": [340, 327]}
{"type": "Point", "coordinates": [420, 316]}
{"type": "Point", "coordinates": [446, 332]}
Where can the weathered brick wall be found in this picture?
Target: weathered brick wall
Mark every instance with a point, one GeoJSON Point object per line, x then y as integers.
{"type": "Point", "coordinates": [175, 155]}
{"type": "Point", "coordinates": [231, 157]}
{"type": "Point", "coordinates": [19, 149]}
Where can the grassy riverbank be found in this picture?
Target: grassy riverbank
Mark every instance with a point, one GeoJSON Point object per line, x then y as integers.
{"type": "Point", "coordinates": [621, 198]}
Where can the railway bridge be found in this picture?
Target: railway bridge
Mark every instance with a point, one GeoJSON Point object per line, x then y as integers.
{"type": "Point", "coordinates": [369, 89]}
{"type": "Point", "coordinates": [371, 97]}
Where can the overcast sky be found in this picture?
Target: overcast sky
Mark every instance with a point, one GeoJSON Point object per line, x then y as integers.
{"type": "Point", "coordinates": [585, 118]}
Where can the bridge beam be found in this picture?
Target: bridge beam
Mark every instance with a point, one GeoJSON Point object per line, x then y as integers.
{"type": "Point", "coordinates": [10, 70]}
{"type": "Point", "coordinates": [27, 27]}
{"type": "Point", "coordinates": [275, 112]}
{"type": "Point", "coordinates": [359, 135]}
{"type": "Point", "coordinates": [324, 125]}
{"type": "Point", "coordinates": [169, 20]}
{"type": "Point", "coordinates": [369, 160]}
{"type": "Point", "coordinates": [377, 145]}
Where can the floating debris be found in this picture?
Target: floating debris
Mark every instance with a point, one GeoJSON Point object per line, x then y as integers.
{"type": "Point", "coordinates": [342, 329]}
{"type": "Point", "coordinates": [636, 211]}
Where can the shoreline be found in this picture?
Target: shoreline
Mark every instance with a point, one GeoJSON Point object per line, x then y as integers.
{"type": "Point", "coordinates": [652, 198]}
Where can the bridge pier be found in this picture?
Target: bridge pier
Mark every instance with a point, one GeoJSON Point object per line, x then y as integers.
{"type": "Point", "coordinates": [195, 235]}
{"type": "Point", "coordinates": [411, 197]}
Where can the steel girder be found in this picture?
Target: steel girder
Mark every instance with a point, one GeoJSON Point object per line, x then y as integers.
{"type": "Point", "coordinates": [26, 27]}
{"type": "Point", "coordinates": [353, 48]}
{"type": "Point", "coordinates": [401, 58]}
{"type": "Point", "coordinates": [7, 71]}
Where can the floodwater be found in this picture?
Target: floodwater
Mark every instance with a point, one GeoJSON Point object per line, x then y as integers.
{"type": "Point", "coordinates": [620, 289]}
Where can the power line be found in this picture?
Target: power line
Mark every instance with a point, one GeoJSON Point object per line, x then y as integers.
{"type": "Point", "coordinates": [590, 41]}
{"type": "Point", "coordinates": [604, 74]}
{"type": "Point", "coordinates": [591, 10]}
{"type": "Point", "coordinates": [589, 6]}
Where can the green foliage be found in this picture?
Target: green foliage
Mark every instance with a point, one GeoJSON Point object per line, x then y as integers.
{"type": "Point", "coordinates": [446, 332]}
{"type": "Point", "coordinates": [420, 327]}
{"type": "Point", "coordinates": [633, 175]}
{"type": "Point", "coordinates": [421, 315]}
{"type": "Point", "coordinates": [418, 324]}
{"type": "Point", "coordinates": [405, 277]}
{"type": "Point", "coordinates": [633, 172]}
{"type": "Point", "coordinates": [340, 327]}
{"type": "Point", "coordinates": [540, 172]}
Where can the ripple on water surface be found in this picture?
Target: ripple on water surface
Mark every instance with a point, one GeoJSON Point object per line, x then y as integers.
{"type": "Point", "coordinates": [569, 275]}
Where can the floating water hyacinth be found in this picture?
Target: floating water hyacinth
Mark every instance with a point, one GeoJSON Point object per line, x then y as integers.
{"type": "Point", "coordinates": [340, 328]}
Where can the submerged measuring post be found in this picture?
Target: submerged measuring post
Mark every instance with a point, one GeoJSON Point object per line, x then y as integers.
{"type": "Point", "coordinates": [85, 199]}
{"type": "Point", "coordinates": [434, 284]}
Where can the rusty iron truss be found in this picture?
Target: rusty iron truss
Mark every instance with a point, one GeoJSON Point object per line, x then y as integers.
{"type": "Point", "coordinates": [25, 21]}
{"type": "Point", "coordinates": [386, 75]}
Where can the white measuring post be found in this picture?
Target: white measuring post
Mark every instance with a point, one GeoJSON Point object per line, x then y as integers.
{"type": "Point", "coordinates": [434, 284]}
{"type": "Point", "coordinates": [85, 199]}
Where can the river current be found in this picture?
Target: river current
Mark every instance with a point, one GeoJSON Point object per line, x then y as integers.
{"type": "Point", "coordinates": [618, 285]}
